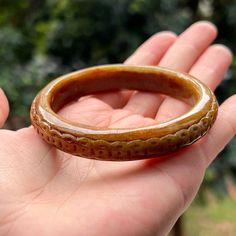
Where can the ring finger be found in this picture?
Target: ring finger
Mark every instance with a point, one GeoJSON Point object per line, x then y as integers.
{"type": "Point", "coordinates": [210, 69]}
{"type": "Point", "coordinates": [180, 56]}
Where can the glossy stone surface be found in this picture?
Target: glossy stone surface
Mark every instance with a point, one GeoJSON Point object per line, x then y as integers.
{"type": "Point", "coordinates": [123, 144]}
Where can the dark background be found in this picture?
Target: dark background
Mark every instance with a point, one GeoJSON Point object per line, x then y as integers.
{"type": "Point", "coordinates": [40, 40]}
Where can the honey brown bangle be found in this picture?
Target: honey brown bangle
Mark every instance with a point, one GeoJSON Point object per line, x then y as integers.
{"type": "Point", "coordinates": [120, 144]}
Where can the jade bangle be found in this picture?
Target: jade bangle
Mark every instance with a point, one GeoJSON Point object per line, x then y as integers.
{"type": "Point", "coordinates": [121, 144]}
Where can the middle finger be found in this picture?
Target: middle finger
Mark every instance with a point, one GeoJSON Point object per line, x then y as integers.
{"type": "Point", "coordinates": [180, 56]}
{"type": "Point", "coordinates": [210, 69]}
{"type": "Point", "coordinates": [188, 48]}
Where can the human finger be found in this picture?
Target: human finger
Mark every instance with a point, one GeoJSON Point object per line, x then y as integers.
{"type": "Point", "coordinates": [149, 53]}
{"type": "Point", "coordinates": [210, 69]}
{"type": "Point", "coordinates": [144, 103]}
{"type": "Point", "coordinates": [189, 46]}
{"type": "Point", "coordinates": [181, 55]}
{"type": "Point", "coordinates": [4, 108]}
{"type": "Point", "coordinates": [212, 65]}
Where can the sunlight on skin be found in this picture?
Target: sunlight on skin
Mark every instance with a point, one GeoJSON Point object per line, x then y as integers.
{"type": "Point", "coordinates": [46, 192]}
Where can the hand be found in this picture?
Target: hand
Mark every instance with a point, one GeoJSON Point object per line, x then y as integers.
{"type": "Point", "coordinates": [46, 192]}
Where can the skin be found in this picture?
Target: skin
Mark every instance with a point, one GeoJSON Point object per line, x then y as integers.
{"type": "Point", "coordinates": [46, 192]}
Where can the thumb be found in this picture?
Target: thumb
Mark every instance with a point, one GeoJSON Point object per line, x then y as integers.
{"type": "Point", "coordinates": [4, 108]}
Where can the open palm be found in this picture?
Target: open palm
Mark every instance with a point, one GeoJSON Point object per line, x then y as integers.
{"type": "Point", "coordinates": [44, 191]}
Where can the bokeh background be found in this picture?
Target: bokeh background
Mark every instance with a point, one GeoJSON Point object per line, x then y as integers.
{"type": "Point", "coordinates": [40, 40]}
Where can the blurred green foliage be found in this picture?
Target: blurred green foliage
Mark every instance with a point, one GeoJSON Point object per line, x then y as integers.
{"type": "Point", "coordinates": [216, 217]}
{"type": "Point", "coordinates": [40, 40]}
